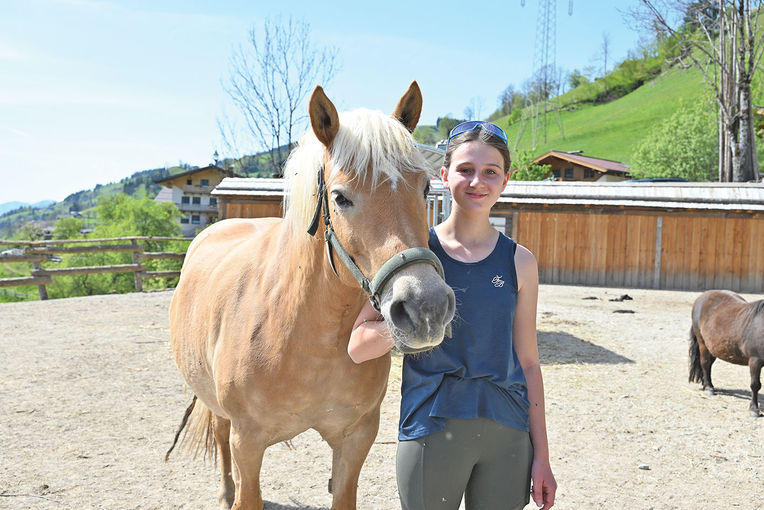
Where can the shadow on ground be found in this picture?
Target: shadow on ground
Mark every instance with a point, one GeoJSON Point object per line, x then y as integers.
{"type": "Point", "coordinates": [267, 505]}
{"type": "Point", "coordinates": [557, 347]}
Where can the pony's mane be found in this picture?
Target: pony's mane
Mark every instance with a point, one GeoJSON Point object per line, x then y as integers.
{"type": "Point", "coordinates": [368, 145]}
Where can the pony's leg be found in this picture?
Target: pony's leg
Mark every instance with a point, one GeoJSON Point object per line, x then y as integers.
{"type": "Point", "coordinates": [222, 430]}
{"type": "Point", "coordinates": [350, 449]}
{"type": "Point", "coordinates": [755, 364]}
{"type": "Point", "coordinates": [247, 457]}
{"type": "Point", "coordinates": [706, 360]}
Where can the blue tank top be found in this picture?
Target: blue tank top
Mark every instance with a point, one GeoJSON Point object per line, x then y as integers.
{"type": "Point", "coordinates": [475, 373]}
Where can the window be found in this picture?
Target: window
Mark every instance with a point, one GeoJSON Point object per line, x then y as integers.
{"type": "Point", "coordinates": [184, 200]}
{"type": "Point", "coordinates": [213, 201]}
{"type": "Point", "coordinates": [196, 200]}
{"type": "Point", "coordinates": [195, 219]}
{"type": "Point", "coordinates": [556, 173]}
{"type": "Point", "coordinates": [189, 181]}
{"type": "Point", "coordinates": [568, 173]}
{"type": "Point", "coordinates": [205, 182]}
{"type": "Point", "coordinates": [588, 173]}
{"type": "Point", "coordinates": [184, 219]}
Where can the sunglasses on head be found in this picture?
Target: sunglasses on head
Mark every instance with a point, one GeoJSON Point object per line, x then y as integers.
{"type": "Point", "coordinates": [474, 124]}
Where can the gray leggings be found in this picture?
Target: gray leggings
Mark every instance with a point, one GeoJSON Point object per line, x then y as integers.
{"type": "Point", "coordinates": [488, 463]}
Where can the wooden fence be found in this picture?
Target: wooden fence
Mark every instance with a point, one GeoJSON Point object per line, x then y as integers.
{"type": "Point", "coordinates": [37, 252]}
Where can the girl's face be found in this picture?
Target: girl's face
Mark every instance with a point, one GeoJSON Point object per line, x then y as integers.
{"type": "Point", "coordinates": [475, 176]}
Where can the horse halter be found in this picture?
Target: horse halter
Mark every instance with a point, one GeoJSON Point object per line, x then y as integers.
{"type": "Point", "coordinates": [397, 262]}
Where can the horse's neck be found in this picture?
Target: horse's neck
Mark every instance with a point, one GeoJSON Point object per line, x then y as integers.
{"type": "Point", "coordinates": [321, 293]}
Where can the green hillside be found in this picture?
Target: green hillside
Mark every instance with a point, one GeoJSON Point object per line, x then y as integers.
{"type": "Point", "coordinates": [613, 130]}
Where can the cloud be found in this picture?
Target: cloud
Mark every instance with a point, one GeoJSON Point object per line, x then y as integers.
{"type": "Point", "coordinates": [14, 131]}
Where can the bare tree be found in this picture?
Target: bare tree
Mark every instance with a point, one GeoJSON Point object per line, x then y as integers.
{"type": "Point", "coordinates": [474, 110]}
{"type": "Point", "coordinates": [604, 51]}
{"type": "Point", "coordinates": [722, 39]}
{"type": "Point", "coordinates": [268, 81]}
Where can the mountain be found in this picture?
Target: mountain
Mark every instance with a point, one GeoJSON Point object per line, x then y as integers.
{"type": "Point", "coordinates": [10, 206]}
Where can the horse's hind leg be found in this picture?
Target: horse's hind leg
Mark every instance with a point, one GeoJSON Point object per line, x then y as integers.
{"type": "Point", "coordinates": [222, 429]}
{"type": "Point", "coordinates": [706, 360]}
{"type": "Point", "coordinates": [755, 364]}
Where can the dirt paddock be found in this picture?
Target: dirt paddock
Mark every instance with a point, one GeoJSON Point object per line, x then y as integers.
{"type": "Point", "coordinates": [91, 398]}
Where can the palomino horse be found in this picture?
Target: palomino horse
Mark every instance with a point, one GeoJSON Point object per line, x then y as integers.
{"type": "Point", "coordinates": [260, 319]}
{"type": "Point", "coordinates": [726, 326]}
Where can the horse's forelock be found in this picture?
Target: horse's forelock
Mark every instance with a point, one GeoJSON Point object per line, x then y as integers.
{"type": "Point", "coordinates": [366, 141]}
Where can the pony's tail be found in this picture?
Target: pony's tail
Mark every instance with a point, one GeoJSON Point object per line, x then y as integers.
{"type": "Point", "coordinates": [696, 371]}
{"type": "Point", "coordinates": [199, 436]}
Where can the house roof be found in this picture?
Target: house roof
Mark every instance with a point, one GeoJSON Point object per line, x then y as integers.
{"type": "Point", "coordinates": [599, 164]}
{"type": "Point", "coordinates": [669, 195]}
{"type": "Point", "coordinates": [213, 168]}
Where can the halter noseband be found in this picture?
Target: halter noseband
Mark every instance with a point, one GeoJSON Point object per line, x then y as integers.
{"type": "Point", "coordinates": [397, 262]}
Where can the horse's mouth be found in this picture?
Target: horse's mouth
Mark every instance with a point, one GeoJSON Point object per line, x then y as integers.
{"type": "Point", "coordinates": [406, 349]}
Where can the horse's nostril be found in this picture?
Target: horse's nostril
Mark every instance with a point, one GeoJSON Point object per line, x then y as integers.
{"type": "Point", "coordinates": [400, 316]}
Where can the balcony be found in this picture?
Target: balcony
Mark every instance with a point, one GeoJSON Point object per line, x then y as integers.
{"type": "Point", "coordinates": [203, 208]}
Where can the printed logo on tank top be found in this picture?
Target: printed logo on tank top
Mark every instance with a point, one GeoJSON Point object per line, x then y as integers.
{"type": "Point", "coordinates": [497, 281]}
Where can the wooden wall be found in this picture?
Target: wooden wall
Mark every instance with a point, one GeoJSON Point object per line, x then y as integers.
{"type": "Point", "coordinates": [250, 209]}
{"type": "Point", "coordinates": [661, 251]}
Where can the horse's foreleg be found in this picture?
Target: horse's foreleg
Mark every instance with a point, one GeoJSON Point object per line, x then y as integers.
{"type": "Point", "coordinates": [247, 458]}
{"type": "Point", "coordinates": [350, 449]}
{"type": "Point", "coordinates": [755, 364]}
{"type": "Point", "coordinates": [222, 429]}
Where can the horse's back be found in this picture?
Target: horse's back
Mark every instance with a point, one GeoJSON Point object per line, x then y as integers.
{"type": "Point", "coordinates": [721, 319]}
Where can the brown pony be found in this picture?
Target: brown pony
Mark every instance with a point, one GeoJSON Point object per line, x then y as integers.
{"type": "Point", "coordinates": [260, 321]}
{"type": "Point", "coordinates": [726, 326]}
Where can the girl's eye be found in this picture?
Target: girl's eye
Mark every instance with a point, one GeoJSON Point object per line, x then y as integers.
{"type": "Point", "coordinates": [342, 201]}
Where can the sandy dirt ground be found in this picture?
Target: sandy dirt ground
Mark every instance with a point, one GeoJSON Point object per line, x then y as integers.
{"type": "Point", "coordinates": [91, 399]}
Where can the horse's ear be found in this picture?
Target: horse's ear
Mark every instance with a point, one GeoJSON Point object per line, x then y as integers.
{"type": "Point", "coordinates": [409, 107]}
{"type": "Point", "coordinates": [323, 117]}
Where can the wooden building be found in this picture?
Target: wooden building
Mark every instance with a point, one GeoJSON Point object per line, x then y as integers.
{"type": "Point", "coordinates": [689, 236]}
{"type": "Point", "coordinates": [191, 192]}
{"type": "Point", "coordinates": [574, 166]}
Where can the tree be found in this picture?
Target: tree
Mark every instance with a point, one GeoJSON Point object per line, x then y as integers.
{"type": "Point", "coordinates": [524, 169]}
{"type": "Point", "coordinates": [684, 145]}
{"type": "Point", "coordinates": [67, 228]}
{"type": "Point", "coordinates": [268, 82]}
{"type": "Point", "coordinates": [576, 78]}
{"type": "Point", "coordinates": [510, 99]}
{"type": "Point", "coordinates": [118, 216]}
{"type": "Point", "coordinates": [726, 34]}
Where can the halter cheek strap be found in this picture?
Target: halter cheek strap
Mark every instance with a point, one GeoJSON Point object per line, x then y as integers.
{"type": "Point", "coordinates": [374, 287]}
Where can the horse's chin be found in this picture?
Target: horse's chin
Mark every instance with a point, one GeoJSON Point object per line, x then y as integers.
{"type": "Point", "coordinates": [416, 349]}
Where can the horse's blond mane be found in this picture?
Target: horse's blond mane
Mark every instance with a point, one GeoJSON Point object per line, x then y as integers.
{"type": "Point", "coordinates": [369, 144]}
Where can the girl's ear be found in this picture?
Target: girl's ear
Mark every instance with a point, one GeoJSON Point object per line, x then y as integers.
{"type": "Point", "coordinates": [444, 176]}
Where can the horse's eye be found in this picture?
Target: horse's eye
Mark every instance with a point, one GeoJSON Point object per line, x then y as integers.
{"type": "Point", "coordinates": [342, 201]}
{"type": "Point", "coordinates": [426, 189]}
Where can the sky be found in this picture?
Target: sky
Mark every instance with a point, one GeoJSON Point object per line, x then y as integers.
{"type": "Point", "coordinates": [92, 91]}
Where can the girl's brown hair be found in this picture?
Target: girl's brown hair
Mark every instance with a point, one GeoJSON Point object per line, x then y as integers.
{"type": "Point", "coordinates": [480, 135]}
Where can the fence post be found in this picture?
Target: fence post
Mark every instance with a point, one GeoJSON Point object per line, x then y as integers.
{"type": "Point", "coordinates": [136, 260]}
{"type": "Point", "coordinates": [41, 289]}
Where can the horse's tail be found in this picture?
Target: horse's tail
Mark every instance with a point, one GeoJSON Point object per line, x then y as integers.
{"type": "Point", "coordinates": [696, 371]}
{"type": "Point", "coordinates": [199, 435]}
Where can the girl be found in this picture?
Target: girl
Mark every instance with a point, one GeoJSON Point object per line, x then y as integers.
{"type": "Point", "coordinates": [472, 418]}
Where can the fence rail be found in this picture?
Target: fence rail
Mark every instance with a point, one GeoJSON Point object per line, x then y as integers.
{"type": "Point", "coordinates": [36, 252]}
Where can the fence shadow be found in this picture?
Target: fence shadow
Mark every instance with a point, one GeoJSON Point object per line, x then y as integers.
{"type": "Point", "coordinates": [559, 348]}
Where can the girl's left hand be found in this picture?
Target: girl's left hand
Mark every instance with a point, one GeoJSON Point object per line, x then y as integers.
{"type": "Point", "coordinates": [544, 485]}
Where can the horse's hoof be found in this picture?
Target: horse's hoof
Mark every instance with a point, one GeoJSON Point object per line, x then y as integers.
{"type": "Point", "coordinates": [755, 414]}
{"type": "Point", "coordinates": [710, 392]}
